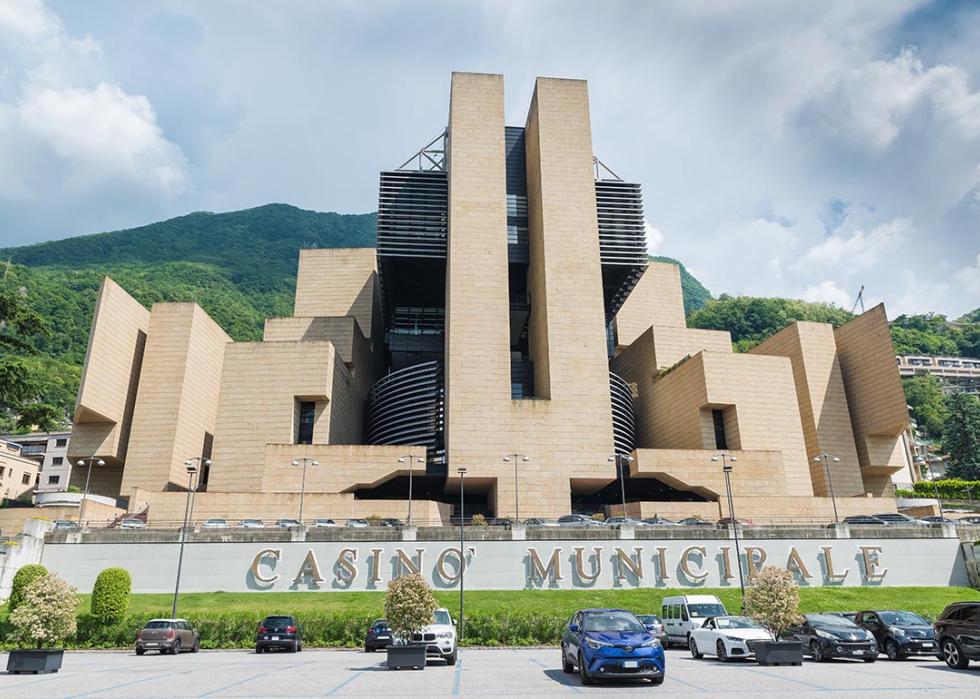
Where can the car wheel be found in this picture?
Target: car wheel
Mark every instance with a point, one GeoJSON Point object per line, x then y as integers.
{"type": "Point", "coordinates": [565, 665]}
{"type": "Point", "coordinates": [176, 649]}
{"type": "Point", "coordinates": [259, 650]}
{"type": "Point", "coordinates": [892, 651]}
{"type": "Point", "coordinates": [583, 671]}
{"type": "Point", "coordinates": [721, 651]}
{"type": "Point", "coordinates": [953, 655]}
{"type": "Point", "coordinates": [815, 651]}
{"type": "Point", "coordinates": [295, 647]}
{"type": "Point", "coordinates": [693, 647]}
{"type": "Point", "coordinates": [870, 660]}
{"type": "Point", "coordinates": [140, 651]}
{"type": "Point", "coordinates": [451, 659]}
{"type": "Point", "coordinates": [659, 679]}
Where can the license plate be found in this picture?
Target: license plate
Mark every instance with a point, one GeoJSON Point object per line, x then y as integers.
{"type": "Point", "coordinates": [857, 652]}
{"type": "Point", "coordinates": [149, 644]}
{"type": "Point", "coordinates": [384, 638]}
{"type": "Point", "coordinates": [630, 664]}
{"type": "Point", "coordinates": [927, 644]}
{"type": "Point", "coordinates": [275, 638]}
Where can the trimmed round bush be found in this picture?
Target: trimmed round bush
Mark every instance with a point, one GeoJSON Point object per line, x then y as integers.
{"type": "Point", "coordinates": [24, 577]}
{"type": "Point", "coordinates": [110, 596]}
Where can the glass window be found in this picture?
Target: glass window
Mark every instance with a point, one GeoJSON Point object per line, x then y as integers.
{"type": "Point", "coordinates": [57, 461]}
{"type": "Point", "coordinates": [612, 621]}
{"type": "Point", "coordinates": [903, 619]}
{"type": "Point", "coordinates": [62, 443]}
{"type": "Point", "coordinates": [699, 611]}
{"type": "Point", "coordinates": [54, 480]}
{"type": "Point", "coordinates": [441, 616]}
{"type": "Point", "coordinates": [26, 479]}
{"type": "Point", "coordinates": [307, 416]}
{"type": "Point", "coordinates": [718, 418]}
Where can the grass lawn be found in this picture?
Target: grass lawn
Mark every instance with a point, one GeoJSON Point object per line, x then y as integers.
{"type": "Point", "coordinates": [924, 600]}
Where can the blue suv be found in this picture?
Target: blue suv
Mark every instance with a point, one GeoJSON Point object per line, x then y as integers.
{"type": "Point", "coordinates": [613, 644]}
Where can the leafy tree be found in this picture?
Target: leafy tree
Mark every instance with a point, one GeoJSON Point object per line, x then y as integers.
{"type": "Point", "coordinates": [925, 395]}
{"type": "Point", "coordinates": [971, 317]}
{"type": "Point", "coordinates": [750, 320]}
{"type": "Point", "coordinates": [773, 599]}
{"type": "Point", "coordinates": [961, 436]}
{"type": "Point", "coordinates": [968, 341]}
{"type": "Point", "coordinates": [916, 341]}
{"type": "Point", "coordinates": [46, 614]}
{"type": "Point", "coordinates": [22, 579]}
{"type": "Point", "coordinates": [110, 595]}
{"type": "Point", "coordinates": [409, 605]}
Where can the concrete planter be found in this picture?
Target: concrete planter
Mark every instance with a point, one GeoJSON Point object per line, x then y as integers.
{"type": "Point", "coordinates": [779, 653]}
{"type": "Point", "coordinates": [35, 661]}
{"type": "Point", "coordinates": [411, 657]}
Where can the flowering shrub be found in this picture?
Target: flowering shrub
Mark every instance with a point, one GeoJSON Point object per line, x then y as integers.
{"type": "Point", "coordinates": [46, 613]}
{"type": "Point", "coordinates": [409, 605]}
{"type": "Point", "coordinates": [774, 599]}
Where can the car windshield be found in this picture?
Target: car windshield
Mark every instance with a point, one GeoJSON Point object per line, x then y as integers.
{"type": "Point", "coordinates": [611, 621]}
{"type": "Point", "coordinates": [828, 620]}
{"type": "Point", "coordinates": [648, 618]}
{"type": "Point", "coordinates": [902, 619]}
{"type": "Point", "coordinates": [736, 622]}
{"type": "Point", "coordinates": [699, 611]}
{"type": "Point", "coordinates": [441, 616]}
{"type": "Point", "coordinates": [158, 625]}
{"type": "Point", "coordinates": [380, 624]}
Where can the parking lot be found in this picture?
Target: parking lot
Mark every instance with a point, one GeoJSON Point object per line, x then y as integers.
{"type": "Point", "coordinates": [480, 672]}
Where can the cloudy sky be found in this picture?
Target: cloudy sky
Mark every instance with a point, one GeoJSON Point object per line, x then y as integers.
{"type": "Point", "coordinates": [785, 148]}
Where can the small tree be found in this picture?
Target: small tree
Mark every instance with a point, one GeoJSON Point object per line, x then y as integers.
{"type": "Point", "coordinates": [110, 596]}
{"type": "Point", "coordinates": [409, 606]}
{"type": "Point", "coordinates": [22, 579]}
{"type": "Point", "coordinates": [374, 520]}
{"type": "Point", "coordinates": [46, 614]}
{"type": "Point", "coordinates": [599, 517]}
{"type": "Point", "coordinates": [773, 600]}
{"type": "Point", "coordinates": [478, 520]}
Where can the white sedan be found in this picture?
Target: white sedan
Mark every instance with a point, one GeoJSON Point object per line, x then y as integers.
{"type": "Point", "coordinates": [727, 637]}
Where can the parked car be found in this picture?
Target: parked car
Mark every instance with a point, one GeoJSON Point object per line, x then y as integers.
{"type": "Point", "coordinates": [251, 524]}
{"type": "Point", "coordinates": [214, 523]}
{"type": "Point", "coordinates": [439, 637]}
{"type": "Point", "coordinates": [357, 524]}
{"type": "Point", "coordinates": [864, 520]}
{"type": "Point", "coordinates": [898, 518]}
{"type": "Point", "coordinates": [578, 521]}
{"type": "Point", "coordinates": [658, 521]}
{"type": "Point", "coordinates": [683, 613]}
{"type": "Point", "coordinates": [620, 521]}
{"type": "Point", "coordinates": [391, 522]}
{"type": "Point", "coordinates": [539, 522]}
{"type": "Point", "coordinates": [323, 523]}
{"type": "Point", "coordinates": [167, 636]}
{"type": "Point", "coordinates": [850, 616]}
{"type": "Point", "coordinates": [826, 636]}
{"type": "Point", "coordinates": [655, 626]}
{"type": "Point", "coordinates": [501, 522]}
{"type": "Point", "coordinates": [132, 523]}
{"type": "Point", "coordinates": [936, 519]}
{"type": "Point", "coordinates": [694, 522]}
{"type": "Point", "coordinates": [613, 644]}
{"type": "Point", "coordinates": [727, 637]}
{"type": "Point", "coordinates": [288, 523]}
{"type": "Point", "coordinates": [971, 519]}
{"type": "Point", "coordinates": [65, 524]}
{"type": "Point", "coordinates": [378, 636]}
{"type": "Point", "coordinates": [899, 634]}
{"type": "Point", "coordinates": [279, 632]}
{"type": "Point", "coordinates": [957, 631]}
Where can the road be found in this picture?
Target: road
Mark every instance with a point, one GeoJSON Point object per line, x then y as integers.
{"type": "Point", "coordinates": [479, 673]}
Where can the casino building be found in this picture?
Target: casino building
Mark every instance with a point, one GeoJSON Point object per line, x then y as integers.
{"type": "Point", "coordinates": [509, 308]}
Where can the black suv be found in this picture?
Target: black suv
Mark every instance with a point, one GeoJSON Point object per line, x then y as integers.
{"type": "Point", "coordinates": [279, 632]}
{"type": "Point", "coordinates": [378, 636]}
{"type": "Point", "coordinates": [957, 631]}
{"type": "Point", "coordinates": [899, 634]}
{"type": "Point", "coordinates": [825, 636]}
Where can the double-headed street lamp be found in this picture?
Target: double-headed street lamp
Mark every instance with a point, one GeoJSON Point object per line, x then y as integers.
{"type": "Point", "coordinates": [620, 459]}
{"type": "Point", "coordinates": [517, 501]}
{"type": "Point", "coordinates": [726, 464]}
{"type": "Point", "coordinates": [462, 567]}
{"type": "Point", "coordinates": [411, 460]}
{"type": "Point", "coordinates": [302, 488]}
{"type": "Point", "coordinates": [191, 465]}
{"type": "Point", "coordinates": [81, 462]}
{"type": "Point", "coordinates": [827, 459]}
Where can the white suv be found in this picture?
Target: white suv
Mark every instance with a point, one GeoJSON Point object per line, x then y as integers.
{"type": "Point", "coordinates": [439, 637]}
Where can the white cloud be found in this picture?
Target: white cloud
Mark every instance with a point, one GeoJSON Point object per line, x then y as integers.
{"type": "Point", "coordinates": [858, 252]}
{"type": "Point", "coordinates": [827, 291]}
{"type": "Point", "coordinates": [969, 278]}
{"type": "Point", "coordinates": [655, 237]}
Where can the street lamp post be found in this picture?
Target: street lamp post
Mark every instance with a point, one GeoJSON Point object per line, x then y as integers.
{"type": "Point", "coordinates": [462, 567]}
{"type": "Point", "coordinates": [302, 488]}
{"type": "Point", "coordinates": [726, 464]}
{"type": "Point", "coordinates": [619, 459]}
{"type": "Point", "coordinates": [935, 486]}
{"type": "Point", "coordinates": [191, 467]}
{"type": "Point", "coordinates": [412, 459]}
{"type": "Point", "coordinates": [81, 462]}
{"type": "Point", "coordinates": [826, 459]}
{"type": "Point", "coordinates": [517, 501]}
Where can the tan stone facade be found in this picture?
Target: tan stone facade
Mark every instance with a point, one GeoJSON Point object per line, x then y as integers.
{"type": "Point", "coordinates": [527, 328]}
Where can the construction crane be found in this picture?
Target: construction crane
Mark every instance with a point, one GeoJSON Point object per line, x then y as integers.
{"type": "Point", "coordinates": [859, 301]}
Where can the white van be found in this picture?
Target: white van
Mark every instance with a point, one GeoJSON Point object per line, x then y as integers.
{"type": "Point", "coordinates": [685, 612]}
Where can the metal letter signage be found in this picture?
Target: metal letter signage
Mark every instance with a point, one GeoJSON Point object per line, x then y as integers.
{"type": "Point", "coordinates": [406, 564]}
{"type": "Point", "coordinates": [753, 564]}
{"type": "Point", "coordinates": [309, 569]}
{"type": "Point", "coordinates": [797, 562]}
{"type": "Point", "coordinates": [686, 563]}
{"type": "Point", "coordinates": [624, 563]}
{"type": "Point", "coordinates": [275, 555]}
{"type": "Point", "coordinates": [828, 560]}
{"type": "Point", "coordinates": [537, 571]}
{"type": "Point", "coordinates": [580, 565]}
{"type": "Point", "coordinates": [346, 572]}
{"type": "Point", "coordinates": [441, 566]}
{"type": "Point", "coordinates": [870, 554]}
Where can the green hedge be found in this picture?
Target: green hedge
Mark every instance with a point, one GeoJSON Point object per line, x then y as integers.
{"type": "Point", "coordinates": [110, 595]}
{"type": "Point", "coordinates": [22, 578]}
{"type": "Point", "coordinates": [949, 489]}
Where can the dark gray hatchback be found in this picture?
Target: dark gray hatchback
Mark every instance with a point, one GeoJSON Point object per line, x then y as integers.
{"type": "Point", "coordinates": [279, 632]}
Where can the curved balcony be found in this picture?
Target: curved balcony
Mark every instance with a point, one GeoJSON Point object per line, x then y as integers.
{"type": "Point", "coordinates": [624, 422]}
{"type": "Point", "coordinates": [406, 407]}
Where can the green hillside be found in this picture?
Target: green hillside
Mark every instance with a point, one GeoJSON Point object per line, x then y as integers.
{"type": "Point", "coordinates": [695, 295]}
